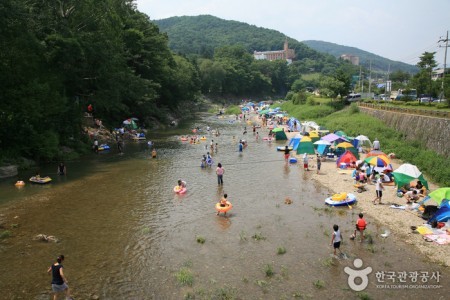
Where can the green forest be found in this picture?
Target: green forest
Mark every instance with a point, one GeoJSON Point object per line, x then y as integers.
{"type": "Point", "coordinates": [60, 56]}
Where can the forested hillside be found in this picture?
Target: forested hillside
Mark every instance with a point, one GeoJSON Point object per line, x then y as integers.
{"type": "Point", "coordinates": [378, 63]}
{"type": "Point", "coordinates": [59, 56]}
{"type": "Point", "coordinates": [202, 34]}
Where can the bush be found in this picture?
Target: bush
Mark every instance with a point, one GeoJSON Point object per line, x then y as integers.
{"type": "Point", "coordinates": [354, 108]}
{"type": "Point", "coordinates": [232, 110]}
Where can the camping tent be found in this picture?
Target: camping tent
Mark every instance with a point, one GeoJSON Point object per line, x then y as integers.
{"type": "Point", "coordinates": [305, 146]}
{"type": "Point", "coordinates": [342, 147]}
{"type": "Point", "coordinates": [294, 124]}
{"type": "Point", "coordinates": [407, 173]}
{"type": "Point", "coordinates": [295, 141]}
{"type": "Point", "coordinates": [332, 138]}
{"type": "Point", "coordinates": [363, 141]}
{"type": "Point", "coordinates": [347, 157]}
{"type": "Point", "coordinates": [279, 134]}
{"type": "Point", "coordinates": [314, 136]}
{"type": "Point", "coordinates": [442, 214]}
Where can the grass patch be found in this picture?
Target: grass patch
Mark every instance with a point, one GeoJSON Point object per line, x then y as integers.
{"type": "Point", "coordinates": [225, 293]}
{"type": "Point", "coordinates": [14, 225]}
{"type": "Point", "coordinates": [364, 296]}
{"type": "Point", "coordinates": [242, 236]}
{"type": "Point", "coordinates": [261, 283]}
{"type": "Point", "coordinates": [268, 270]}
{"type": "Point", "coordinates": [188, 264]}
{"type": "Point", "coordinates": [185, 277]}
{"type": "Point", "coordinates": [328, 262]}
{"type": "Point", "coordinates": [297, 294]}
{"type": "Point", "coordinates": [258, 237]}
{"type": "Point", "coordinates": [319, 284]}
{"type": "Point", "coordinates": [201, 240]}
{"type": "Point", "coordinates": [231, 110]}
{"type": "Point", "coordinates": [146, 230]}
{"type": "Point", "coordinates": [281, 250]}
{"type": "Point", "coordinates": [371, 248]}
{"type": "Point", "coordinates": [5, 234]}
{"type": "Point", "coordinates": [284, 272]}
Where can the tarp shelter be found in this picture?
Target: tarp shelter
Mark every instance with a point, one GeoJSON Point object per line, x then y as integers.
{"type": "Point", "coordinates": [438, 195]}
{"type": "Point", "coordinates": [305, 146]}
{"type": "Point", "coordinates": [407, 173]}
{"type": "Point", "coordinates": [347, 157]}
{"type": "Point", "coordinates": [442, 214]}
{"type": "Point", "coordinates": [279, 134]}
{"type": "Point", "coordinates": [295, 141]}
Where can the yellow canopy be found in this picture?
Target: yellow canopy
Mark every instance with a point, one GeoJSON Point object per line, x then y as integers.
{"type": "Point", "coordinates": [344, 145]}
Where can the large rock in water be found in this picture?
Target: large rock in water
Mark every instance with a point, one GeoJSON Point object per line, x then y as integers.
{"type": "Point", "coordinates": [8, 171]}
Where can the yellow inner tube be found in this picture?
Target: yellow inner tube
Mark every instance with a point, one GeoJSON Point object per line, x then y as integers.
{"type": "Point", "coordinates": [339, 197]}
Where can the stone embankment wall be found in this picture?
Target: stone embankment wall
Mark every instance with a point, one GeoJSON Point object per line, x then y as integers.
{"type": "Point", "coordinates": [435, 132]}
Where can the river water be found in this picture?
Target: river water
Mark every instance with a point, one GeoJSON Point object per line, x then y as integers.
{"type": "Point", "coordinates": [127, 235]}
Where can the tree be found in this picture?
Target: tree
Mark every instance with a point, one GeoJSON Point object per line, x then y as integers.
{"type": "Point", "coordinates": [426, 65]}
{"type": "Point", "coordinates": [330, 86]}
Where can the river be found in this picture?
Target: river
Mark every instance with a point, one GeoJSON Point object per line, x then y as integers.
{"type": "Point", "coordinates": [127, 235]}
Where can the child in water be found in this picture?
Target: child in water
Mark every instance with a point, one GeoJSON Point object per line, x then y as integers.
{"type": "Point", "coordinates": [360, 226]}
{"type": "Point", "coordinates": [223, 202]}
{"type": "Point", "coordinates": [336, 238]}
{"type": "Point", "coordinates": [181, 183]}
{"type": "Point", "coordinates": [154, 153]}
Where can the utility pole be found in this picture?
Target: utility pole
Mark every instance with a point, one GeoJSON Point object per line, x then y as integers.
{"type": "Point", "coordinates": [370, 74]}
{"type": "Point", "coordinates": [387, 90]}
{"type": "Point", "coordinates": [445, 65]}
{"type": "Point", "coordinates": [360, 78]}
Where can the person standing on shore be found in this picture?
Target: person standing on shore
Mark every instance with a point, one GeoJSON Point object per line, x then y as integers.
{"type": "Point", "coordinates": [378, 190]}
{"type": "Point", "coordinates": [59, 281]}
{"type": "Point", "coordinates": [319, 163]}
{"type": "Point", "coordinates": [305, 162]}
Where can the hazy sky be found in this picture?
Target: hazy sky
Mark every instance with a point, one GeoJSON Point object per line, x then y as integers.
{"type": "Point", "coordinates": [396, 29]}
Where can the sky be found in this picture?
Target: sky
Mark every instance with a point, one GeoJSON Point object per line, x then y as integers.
{"type": "Point", "coordinates": [400, 30]}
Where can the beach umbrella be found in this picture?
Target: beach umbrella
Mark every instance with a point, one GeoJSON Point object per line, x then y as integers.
{"type": "Point", "coordinates": [407, 173]}
{"type": "Point", "coordinates": [377, 161]}
{"type": "Point", "coordinates": [344, 145]}
{"type": "Point", "coordinates": [439, 195]}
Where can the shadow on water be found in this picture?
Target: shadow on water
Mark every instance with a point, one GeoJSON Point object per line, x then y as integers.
{"type": "Point", "coordinates": [127, 235]}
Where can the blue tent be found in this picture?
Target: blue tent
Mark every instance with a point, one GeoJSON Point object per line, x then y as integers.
{"type": "Point", "coordinates": [323, 149]}
{"type": "Point", "coordinates": [295, 141]}
{"type": "Point", "coordinates": [442, 214]}
{"type": "Point", "coordinates": [291, 122]}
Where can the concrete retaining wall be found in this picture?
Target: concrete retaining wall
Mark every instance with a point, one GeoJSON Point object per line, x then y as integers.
{"type": "Point", "coordinates": [435, 132]}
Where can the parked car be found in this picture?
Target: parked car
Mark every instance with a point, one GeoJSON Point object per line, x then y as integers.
{"type": "Point", "coordinates": [439, 100]}
{"type": "Point", "coordinates": [426, 99]}
{"type": "Point", "coordinates": [354, 97]}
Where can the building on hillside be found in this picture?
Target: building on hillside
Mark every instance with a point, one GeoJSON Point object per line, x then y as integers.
{"type": "Point", "coordinates": [286, 53]}
{"type": "Point", "coordinates": [351, 58]}
{"type": "Point", "coordinates": [437, 74]}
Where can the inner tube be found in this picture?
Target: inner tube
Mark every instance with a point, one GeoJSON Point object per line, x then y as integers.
{"type": "Point", "coordinates": [292, 160]}
{"type": "Point", "coordinates": [103, 147]}
{"type": "Point", "coordinates": [179, 190]}
{"type": "Point", "coordinates": [224, 209]}
{"type": "Point", "coordinates": [203, 138]}
{"type": "Point", "coordinates": [20, 183]}
{"type": "Point", "coordinates": [184, 139]}
{"type": "Point", "coordinates": [209, 162]}
{"type": "Point", "coordinates": [339, 197]}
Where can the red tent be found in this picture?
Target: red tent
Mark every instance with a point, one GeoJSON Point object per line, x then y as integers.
{"type": "Point", "coordinates": [347, 157]}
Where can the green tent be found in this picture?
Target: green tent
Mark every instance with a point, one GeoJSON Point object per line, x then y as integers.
{"type": "Point", "coordinates": [279, 134]}
{"type": "Point", "coordinates": [407, 173]}
{"type": "Point", "coordinates": [305, 146]}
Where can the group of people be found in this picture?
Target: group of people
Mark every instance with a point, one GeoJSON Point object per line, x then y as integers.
{"type": "Point", "coordinates": [336, 236]}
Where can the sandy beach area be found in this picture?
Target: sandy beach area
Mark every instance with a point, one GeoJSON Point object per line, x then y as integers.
{"type": "Point", "coordinates": [398, 221]}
